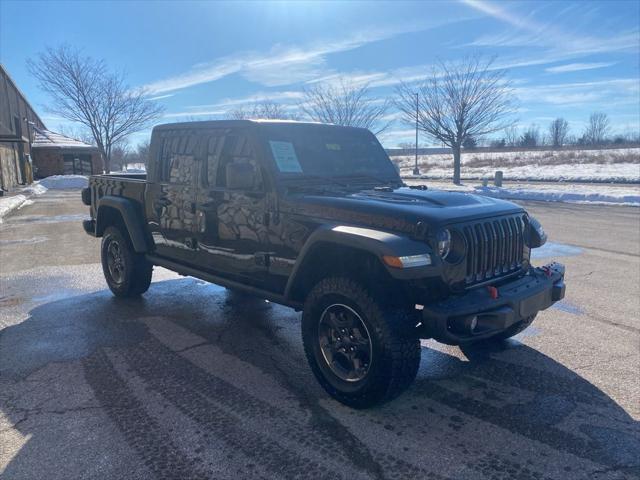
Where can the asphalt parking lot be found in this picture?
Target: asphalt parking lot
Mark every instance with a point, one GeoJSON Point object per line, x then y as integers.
{"type": "Point", "coordinates": [192, 381]}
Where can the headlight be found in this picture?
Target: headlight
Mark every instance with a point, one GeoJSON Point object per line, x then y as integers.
{"type": "Point", "coordinates": [535, 235]}
{"type": "Point", "coordinates": [443, 238]}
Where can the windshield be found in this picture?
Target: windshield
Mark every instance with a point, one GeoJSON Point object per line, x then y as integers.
{"type": "Point", "coordinates": [327, 151]}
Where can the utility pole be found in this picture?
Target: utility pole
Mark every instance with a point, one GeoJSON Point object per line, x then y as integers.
{"type": "Point", "coordinates": [416, 171]}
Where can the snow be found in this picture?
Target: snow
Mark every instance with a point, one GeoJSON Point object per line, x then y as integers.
{"type": "Point", "coordinates": [552, 250]}
{"type": "Point", "coordinates": [59, 182]}
{"type": "Point", "coordinates": [600, 194]}
{"type": "Point", "coordinates": [8, 204]}
{"type": "Point", "coordinates": [55, 182]}
{"type": "Point", "coordinates": [565, 193]}
{"type": "Point", "coordinates": [604, 165]}
{"type": "Point", "coordinates": [13, 202]}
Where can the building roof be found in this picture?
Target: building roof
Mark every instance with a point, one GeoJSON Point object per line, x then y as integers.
{"type": "Point", "coordinates": [43, 138]}
{"type": "Point", "coordinates": [4, 71]}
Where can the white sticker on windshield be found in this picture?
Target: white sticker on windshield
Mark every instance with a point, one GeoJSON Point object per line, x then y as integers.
{"type": "Point", "coordinates": [285, 157]}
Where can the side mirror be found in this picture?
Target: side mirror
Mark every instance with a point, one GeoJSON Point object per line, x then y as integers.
{"type": "Point", "coordinates": [241, 176]}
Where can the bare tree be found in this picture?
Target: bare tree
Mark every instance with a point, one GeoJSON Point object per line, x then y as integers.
{"type": "Point", "coordinates": [458, 100]}
{"type": "Point", "coordinates": [511, 136]}
{"type": "Point", "coordinates": [345, 104]}
{"type": "Point", "coordinates": [597, 129]}
{"type": "Point", "coordinates": [119, 156]}
{"type": "Point", "coordinates": [531, 137]}
{"type": "Point", "coordinates": [138, 156]}
{"type": "Point", "coordinates": [85, 91]}
{"type": "Point", "coordinates": [81, 134]}
{"type": "Point", "coordinates": [558, 132]}
{"type": "Point", "coordinates": [265, 109]}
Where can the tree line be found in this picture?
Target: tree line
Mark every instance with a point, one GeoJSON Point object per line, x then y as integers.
{"type": "Point", "coordinates": [459, 104]}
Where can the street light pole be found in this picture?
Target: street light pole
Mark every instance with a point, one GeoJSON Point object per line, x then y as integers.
{"type": "Point", "coordinates": [416, 171]}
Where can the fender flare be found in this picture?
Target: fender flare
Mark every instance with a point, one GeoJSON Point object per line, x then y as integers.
{"type": "Point", "coordinates": [129, 211]}
{"type": "Point", "coordinates": [376, 242]}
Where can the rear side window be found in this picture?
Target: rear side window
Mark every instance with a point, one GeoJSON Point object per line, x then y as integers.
{"type": "Point", "coordinates": [223, 147]}
{"type": "Point", "coordinates": [237, 148]}
{"type": "Point", "coordinates": [178, 158]}
{"type": "Point", "coordinates": [215, 142]}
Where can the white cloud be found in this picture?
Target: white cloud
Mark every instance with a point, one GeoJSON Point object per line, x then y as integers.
{"type": "Point", "coordinates": [576, 67]}
{"type": "Point", "coordinates": [160, 97]}
{"type": "Point", "coordinates": [600, 94]}
{"type": "Point", "coordinates": [281, 96]}
{"type": "Point", "coordinates": [560, 44]}
{"type": "Point", "coordinates": [281, 65]}
{"type": "Point", "coordinates": [191, 113]}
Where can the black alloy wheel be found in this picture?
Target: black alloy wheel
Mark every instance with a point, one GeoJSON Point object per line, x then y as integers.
{"type": "Point", "coordinates": [345, 342]}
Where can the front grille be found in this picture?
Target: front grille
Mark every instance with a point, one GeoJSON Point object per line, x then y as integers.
{"type": "Point", "coordinates": [494, 248]}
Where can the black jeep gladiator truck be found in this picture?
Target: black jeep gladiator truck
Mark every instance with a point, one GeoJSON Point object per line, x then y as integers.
{"type": "Point", "coordinates": [316, 217]}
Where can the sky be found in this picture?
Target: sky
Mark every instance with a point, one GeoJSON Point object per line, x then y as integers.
{"type": "Point", "coordinates": [201, 59]}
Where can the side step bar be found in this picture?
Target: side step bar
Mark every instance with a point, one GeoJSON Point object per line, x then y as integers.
{"type": "Point", "coordinates": [225, 282]}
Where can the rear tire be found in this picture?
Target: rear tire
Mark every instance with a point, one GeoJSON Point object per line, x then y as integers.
{"type": "Point", "coordinates": [128, 274]}
{"type": "Point", "coordinates": [361, 351]}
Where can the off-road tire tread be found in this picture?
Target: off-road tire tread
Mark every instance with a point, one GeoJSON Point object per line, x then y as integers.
{"type": "Point", "coordinates": [394, 328]}
{"type": "Point", "coordinates": [139, 277]}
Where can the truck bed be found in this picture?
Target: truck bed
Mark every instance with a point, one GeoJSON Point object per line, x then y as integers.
{"type": "Point", "coordinates": [128, 185]}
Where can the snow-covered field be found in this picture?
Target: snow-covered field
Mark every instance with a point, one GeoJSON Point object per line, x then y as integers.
{"type": "Point", "coordinates": [571, 193]}
{"type": "Point", "coordinates": [606, 165]}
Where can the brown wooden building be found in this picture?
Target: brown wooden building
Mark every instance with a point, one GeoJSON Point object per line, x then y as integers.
{"type": "Point", "coordinates": [16, 119]}
{"type": "Point", "coordinates": [56, 154]}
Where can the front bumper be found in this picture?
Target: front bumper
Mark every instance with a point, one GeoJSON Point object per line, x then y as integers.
{"type": "Point", "coordinates": [484, 312]}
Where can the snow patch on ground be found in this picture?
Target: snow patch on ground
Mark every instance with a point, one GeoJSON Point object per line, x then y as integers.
{"type": "Point", "coordinates": [617, 172]}
{"type": "Point", "coordinates": [572, 194]}
{"type": "Point", "coordinates": [60, 182]}
{"type": "Point", "coordinates": [552, 249]}
{"type": "Point", "coordinates": [598, 194]}
{"type": "Point", "coordinates": [8, 204]}
{"type": "Point", "coordinates": [12, 202]}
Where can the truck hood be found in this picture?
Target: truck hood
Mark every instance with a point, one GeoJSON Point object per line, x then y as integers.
{"type": "Point", "coordinates": [402, 205]}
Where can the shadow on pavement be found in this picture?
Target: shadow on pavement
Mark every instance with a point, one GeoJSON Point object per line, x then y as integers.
{"type": "Point", "coordinates": [467, 405]}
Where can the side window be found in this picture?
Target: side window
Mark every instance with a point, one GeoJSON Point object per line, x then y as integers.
{"type": "Point", "coordinates": [215, 141]}
{"type": "Point", "coordinates": [237, 148]}
{"type": "Point", "coordinates": [179, 158]}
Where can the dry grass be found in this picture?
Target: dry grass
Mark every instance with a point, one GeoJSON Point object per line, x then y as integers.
{"type": "Point", "coordinates": [526, 158]}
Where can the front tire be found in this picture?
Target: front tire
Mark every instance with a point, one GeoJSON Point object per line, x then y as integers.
{"type": "Point", "coordinates": [361, 351]}
{"type": "Point", "coordinates": [128, 274]}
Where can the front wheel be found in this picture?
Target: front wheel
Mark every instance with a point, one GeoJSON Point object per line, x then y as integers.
{"type": "Point", "coordinates": [362, 352]}
{"type": "Point", "coordinates": [127, 273]}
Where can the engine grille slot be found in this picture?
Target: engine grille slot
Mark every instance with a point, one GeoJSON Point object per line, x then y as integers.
{"type": "Point", "coordinates": [494, 248]}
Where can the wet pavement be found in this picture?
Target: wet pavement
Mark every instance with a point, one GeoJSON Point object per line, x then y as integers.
{"type": "Point", "coordinates": [192, 381]}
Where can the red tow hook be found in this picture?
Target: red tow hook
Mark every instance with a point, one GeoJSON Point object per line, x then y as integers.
{"type": "Point", "coordinates": [493, 292]}
{"type": "Point", "coordinates": [547, 270]}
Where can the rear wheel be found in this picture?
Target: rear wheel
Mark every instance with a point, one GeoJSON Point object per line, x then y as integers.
{"type": "Point", "coordinates": [362, 352]}
{"type": "Point", "coordinates": [127, 273]}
